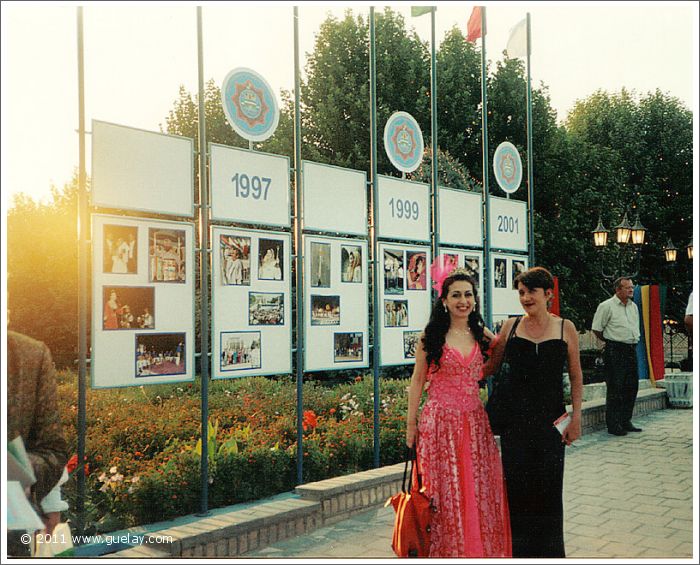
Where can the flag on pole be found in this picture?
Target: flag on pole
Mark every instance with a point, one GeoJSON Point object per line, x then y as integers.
{"type": "Point", "coordinates": [517, 42]}
{"type": "Point", "coordinates": [474, 24]}
{"type": "Point", "coordinates": [420, 10]}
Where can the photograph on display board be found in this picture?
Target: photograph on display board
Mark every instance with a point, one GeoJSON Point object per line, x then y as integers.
{"type": "Point", "coordinates": [167, 252]}
{"type": "Point", "coordinates": [160, 354]}
{"type": "Point", "coordinates": [271, 259]}
{"type": "Point", "coordinates": [471, 264]}
{"type": "Point", "coordinates": [393, 272]}
{"type": "Point", "coordinates": [410, 340]}
{"type": "Point", "coordinates": [120, 249]}
{"type": "Point", "coordinates": [235, 260]}
{"type": "Point", "coordinates": [395, 313]}
{"type": "Point", "coordinates": [347, 347]}
{"type": "Point", "coordinates": [325, 310]}
{"type": "Point", "coordinates": [518, 267]}
{"type": "Point", "coordinates": [128, 307]}
{"type": "Point", "coordinates": [499, 273]}
{"type": "Point", "coordinates": [416, 273]}
{"type": "Point", "coordinates": [265, 308]}
{"type": "Point", "coordinates": [320, 274]}
{"type": "Point", "coordinates": [240, 350]}
{"type": "Point", "coordinates": [351, 263]}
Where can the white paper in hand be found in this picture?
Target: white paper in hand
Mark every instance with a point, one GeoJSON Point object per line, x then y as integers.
{"type": "Point", "coordinates": [20, 514]}
{"type": "Point", "coordinates": [562, 422]}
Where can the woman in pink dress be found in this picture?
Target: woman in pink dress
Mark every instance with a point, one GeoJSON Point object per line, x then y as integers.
{"type": "Point", "coordinates": [457, 453]}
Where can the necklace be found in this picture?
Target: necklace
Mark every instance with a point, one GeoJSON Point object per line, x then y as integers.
{"type": "Point", "coordinates": [465, 333]}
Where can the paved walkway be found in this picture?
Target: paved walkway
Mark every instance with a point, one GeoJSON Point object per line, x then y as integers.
{"type": "Point", "coordinates": [624, 497]}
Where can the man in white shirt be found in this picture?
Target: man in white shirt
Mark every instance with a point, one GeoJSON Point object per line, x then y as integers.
{"type": "Point", "coordinates": [616, 322]}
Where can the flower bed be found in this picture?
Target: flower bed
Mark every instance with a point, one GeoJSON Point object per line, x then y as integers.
{"type": "Point", "coordinates": [143, 449]}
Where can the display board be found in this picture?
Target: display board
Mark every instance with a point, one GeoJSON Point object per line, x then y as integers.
{"type": "Point", "coordinates": [141, 170]}
{"type": "Point", "coordinates": [461, 218]}
{"type": "Point", "coordinates": [143, 301]}
{"type": "Point", "coordinates": [472, 261]}
{"type": "Point", "coordinates": [404, 300]}
{"type": "Point", "coordinates": [249, 187]}
{"type": "Point", "coordinates": [251, 303]}
{"type": "Point", "coordinates": [403, 209]}
{"type": "Point", "coordinates": [505, 301]}
{"type": "Point", "coordinates": [336, 303]}
{"type": "Point", "coordinates": [508, 222]}
{"type": "Point", "coordinates": [334, 199]}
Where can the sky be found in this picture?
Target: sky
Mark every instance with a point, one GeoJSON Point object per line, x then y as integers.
{"type": "Point", "coordinates": [138, 54]}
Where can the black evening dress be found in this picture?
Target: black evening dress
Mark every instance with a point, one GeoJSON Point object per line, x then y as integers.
{"type": "Point", "coordinates": [531, 447]}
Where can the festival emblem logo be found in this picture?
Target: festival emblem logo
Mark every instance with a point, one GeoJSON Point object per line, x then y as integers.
{"type": "Point", "coordinates": [249, 104]}
{"type": "Point", "coordinates": [507, 167]}
{"type": "Point", "coordinates": [403, 142]}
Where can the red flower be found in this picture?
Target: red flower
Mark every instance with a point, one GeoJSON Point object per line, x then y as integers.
{"type": "Point", "coordinates": [72, 463]}
{"type": "Point", "coordinates": [332, 410]}
{"type": "Point", "coordinates": [310, 421]}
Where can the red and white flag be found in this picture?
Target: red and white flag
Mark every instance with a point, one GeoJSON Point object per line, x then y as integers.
{"type": "Point", "coordinates": [474, 24]}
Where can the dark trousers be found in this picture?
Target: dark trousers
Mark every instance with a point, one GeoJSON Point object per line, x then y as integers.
{"type": "Point", "coordinates": [622, 383]}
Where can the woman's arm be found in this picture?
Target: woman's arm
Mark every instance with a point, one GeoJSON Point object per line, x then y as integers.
{"type": "Point", "coordinates": [573, 430]}
{"type": "Point", "coordinates": [415, 390]}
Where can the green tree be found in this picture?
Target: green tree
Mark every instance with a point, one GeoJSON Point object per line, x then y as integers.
{"type": "Point", "coordinates": [42, 270]}
{"type": "Point", "coordinates": [650, 140]}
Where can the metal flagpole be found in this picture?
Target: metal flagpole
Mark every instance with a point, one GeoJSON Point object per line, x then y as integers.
{"type": "Point", "coordinates": [299, 252]}
{"type": "Point", "coordinates": [204, 273]}
{"type": "Point", "coordinates": [488, 308]}
{"type": "Point", "coordinates": [375, 217]}
{"type": "Point", "coordinates": [433, 135]}
{"type": "Point", "coordinates": [83, 278]}
{"type": "Point", "coordinates": [530, 181]}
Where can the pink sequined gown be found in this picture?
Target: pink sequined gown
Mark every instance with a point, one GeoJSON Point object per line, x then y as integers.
{"type": "Point", "coordinates": [460, 463]}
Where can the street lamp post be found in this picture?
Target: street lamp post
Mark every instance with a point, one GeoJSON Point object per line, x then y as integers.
{"type": "Point", "coordinates": [629, 240]}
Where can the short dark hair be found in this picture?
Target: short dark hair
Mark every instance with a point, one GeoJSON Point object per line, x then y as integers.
{"type": "Point", "coordinates": [618, 282]}
{"type": "Point", "coordinates": [536, 277]}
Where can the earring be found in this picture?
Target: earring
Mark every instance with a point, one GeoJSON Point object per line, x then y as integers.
{"type": "Point", "coordinates": [444, 306]}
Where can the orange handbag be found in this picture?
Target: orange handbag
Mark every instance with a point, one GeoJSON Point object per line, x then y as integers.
{"type": "Point", "coordinates": [413, 515]}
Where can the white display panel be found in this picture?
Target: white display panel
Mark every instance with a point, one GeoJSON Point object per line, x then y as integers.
{"type": "Point", "coordinates": [504, 298]}
{"type": "Point", "coordinates": [461, 218]}
{"type": "Point", "coordinates": [334, 199]}
{"type": "Point", "coordinates": [142, 170]}
{"type": "Point", "coordinates": [248, 186]}
{"type": "Point", "coordinates": [405, 300]}
{"type": "Point", "coordinates": [473, 261]}
{"type": "Point", "coordinates": [508, 223]}
{"type": "Point", "coordinates": [251, 303]}
{"type": "Point", "coordinates": [336, 304]}
{"type": "Point", "coordinates": [143, 281]}
{"type": "Point", "coordinates": [403, 209]}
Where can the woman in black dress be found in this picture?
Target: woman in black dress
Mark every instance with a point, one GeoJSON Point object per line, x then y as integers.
{"type": "Point", "coordinates": [532, 448]}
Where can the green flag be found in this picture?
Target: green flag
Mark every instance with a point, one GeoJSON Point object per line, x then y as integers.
{"type": "Point", "coordinates": [420, 10]}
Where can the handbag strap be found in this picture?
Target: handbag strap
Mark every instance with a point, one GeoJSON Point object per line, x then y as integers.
{"type": "Point", "coordinates": [412, 458]}
{"type": "Point", "coordinates": [510, 335]}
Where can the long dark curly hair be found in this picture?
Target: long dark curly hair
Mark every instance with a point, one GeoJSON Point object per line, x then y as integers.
{"type": "Point", "coordinates": [439, 323]}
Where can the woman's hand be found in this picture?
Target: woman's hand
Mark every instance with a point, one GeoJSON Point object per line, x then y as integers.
{"type": "Point", "coordinates": [411, 432]}
{"type": "Point", "coordinates": [573, 430]}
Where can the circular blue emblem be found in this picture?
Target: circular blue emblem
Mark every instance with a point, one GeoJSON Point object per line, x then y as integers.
{"type": "Point", "coordinates": [249, 104]}
{"type": "Point", "coordinates": [507, 167]}
{"type": "Point", "coordinates": [403, 142]}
